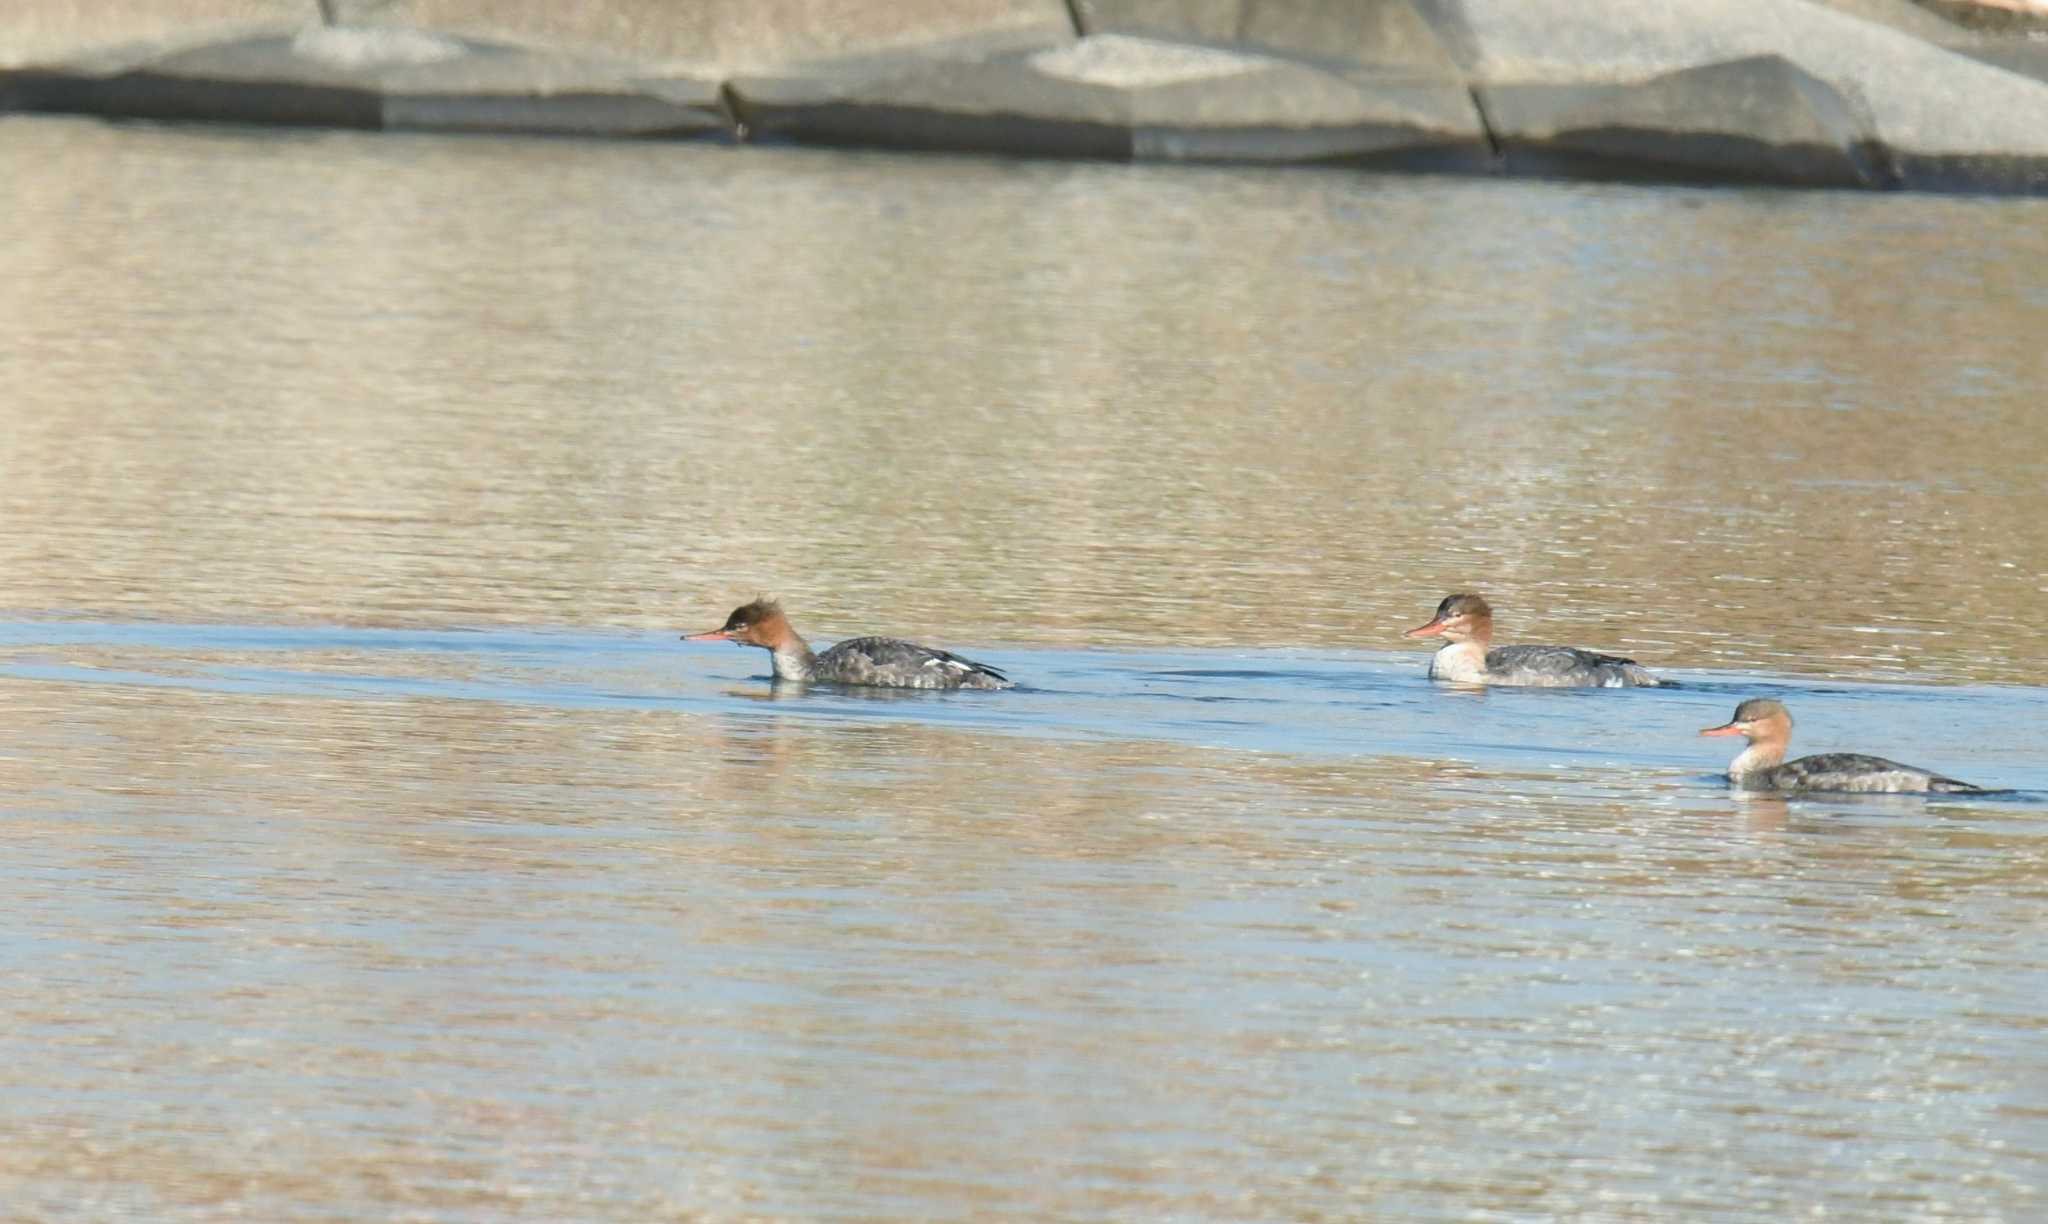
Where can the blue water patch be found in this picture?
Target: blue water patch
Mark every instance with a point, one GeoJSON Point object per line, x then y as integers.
{"type": "Point", "coordinates": [1290, 702]}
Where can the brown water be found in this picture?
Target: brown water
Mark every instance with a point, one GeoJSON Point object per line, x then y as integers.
{"type": "Point", "coordinates": [377, 853]}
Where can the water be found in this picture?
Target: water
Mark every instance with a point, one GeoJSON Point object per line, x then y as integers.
{"type": "Point", "coordinates": [377, 851]}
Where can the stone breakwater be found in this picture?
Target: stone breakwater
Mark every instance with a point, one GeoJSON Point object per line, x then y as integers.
{"type": "Point", "coordinates": [1820, 93]}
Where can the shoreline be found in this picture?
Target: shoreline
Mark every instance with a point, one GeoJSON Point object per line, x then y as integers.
{"type": "Point", "coordinates": [1859, 94]}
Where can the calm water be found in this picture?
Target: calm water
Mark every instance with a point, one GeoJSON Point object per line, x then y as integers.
{"type": "Point", "coordinates": [376, 852]}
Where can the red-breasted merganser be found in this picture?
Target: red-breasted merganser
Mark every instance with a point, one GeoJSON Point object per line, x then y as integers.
{"type": "Point", "coordinates": [1466, 624]}
{"type": "Point", "coordinates": [1767, 725]}
{"type": "Point", "coordinates": [873, 661]}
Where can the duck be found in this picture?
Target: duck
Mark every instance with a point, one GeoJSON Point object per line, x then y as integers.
{"type": "Point", "coordinates": [1761, 766]}
{"type": "Point", "coordinates": [1468, 656]}
{"type": "Point", "coordinates": [874, 662]}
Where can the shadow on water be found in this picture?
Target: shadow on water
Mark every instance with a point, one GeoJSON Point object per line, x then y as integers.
{"type": "Point", "coordinates": [1283, 702]}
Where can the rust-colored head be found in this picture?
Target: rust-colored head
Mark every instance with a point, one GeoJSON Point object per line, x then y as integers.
{"type": "Point", "coordinates": [1459, 618]}
{"type": "Point", "coordinates": [760, 623]}
{"type": "Point", "coordinates": [1759, 718]}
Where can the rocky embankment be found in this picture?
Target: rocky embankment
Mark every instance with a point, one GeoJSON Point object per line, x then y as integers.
{"type": "Point", "coordinates": [1829, 93]}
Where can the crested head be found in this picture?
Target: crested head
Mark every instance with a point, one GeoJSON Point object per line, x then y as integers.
{"type": "Point", "coordinates": [1462, 604]}
{"type": "Point", "coordinates": [1756, 709]}
{"type": "Point", "coordinates": [748, 615]}
{"type": "Point", "coordinates": [1459, 618]}
{"type": "Point", "coordinates": [1762, 721]}
{"type": "Point", "coordinates": [760, 623]}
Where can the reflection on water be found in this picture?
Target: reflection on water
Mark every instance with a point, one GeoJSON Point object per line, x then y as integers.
{"type": "Point", "coordinates": [376, 851]}
{"type": "Point", "coordinates": [319, 378]}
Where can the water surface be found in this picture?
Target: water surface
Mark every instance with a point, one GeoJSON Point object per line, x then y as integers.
{"type": "Point", "coordinates": [377, 851]}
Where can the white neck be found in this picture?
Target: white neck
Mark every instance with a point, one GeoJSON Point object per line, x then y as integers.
{"type": "Point", "coordinates": [1756, 758]}
{"type": "Point", "coordinates": [1460, 661]}
{"type": "Point", "coordinates": [793, 660]}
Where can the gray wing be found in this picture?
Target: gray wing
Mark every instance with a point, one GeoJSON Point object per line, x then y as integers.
{"type": "Point", "coordinates": [1854, 771]}
{"type": "Point", "coordinates": [1565, 665]}
{"type": "Point", "coordinates": [899, 664]}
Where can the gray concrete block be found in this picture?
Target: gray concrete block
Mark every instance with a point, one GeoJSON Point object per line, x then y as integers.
{"type": "Point", "coordinates": [2020, 17]}
{"type": "Point", "coordinates": [1902, 15]}
{"type": "Point", "coordinates": [357, 77]}
{"type": "Point", "coordinates": [1389, 35]}
{"type": "Point", "coordinates": [1873, 92]}
{"type": "Point", "coordinates": [593, 113]}
{"type": "Point", "coordinates": [733, 35]}
{"type": "Point", "coordinates": [113, 34]}
{"type": "Point", "coordinates": [1940, 119]}
{"type": "Point", "coordinates": [1759, 119]}
{"type": "Point", "coordinates": [2026, 56]}
{"type": "Point", "coordinates": [1116, 96]}
{"type": "Point", "coordinates": [145, 93]}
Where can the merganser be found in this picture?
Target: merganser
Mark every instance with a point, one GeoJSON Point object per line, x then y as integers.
{"type": "Point", "coordinates": [872, 661]}
{"type": "Point", "coordinates": [1767, 724]}
{"type": "Point", "coordinates": [1467, 623]}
